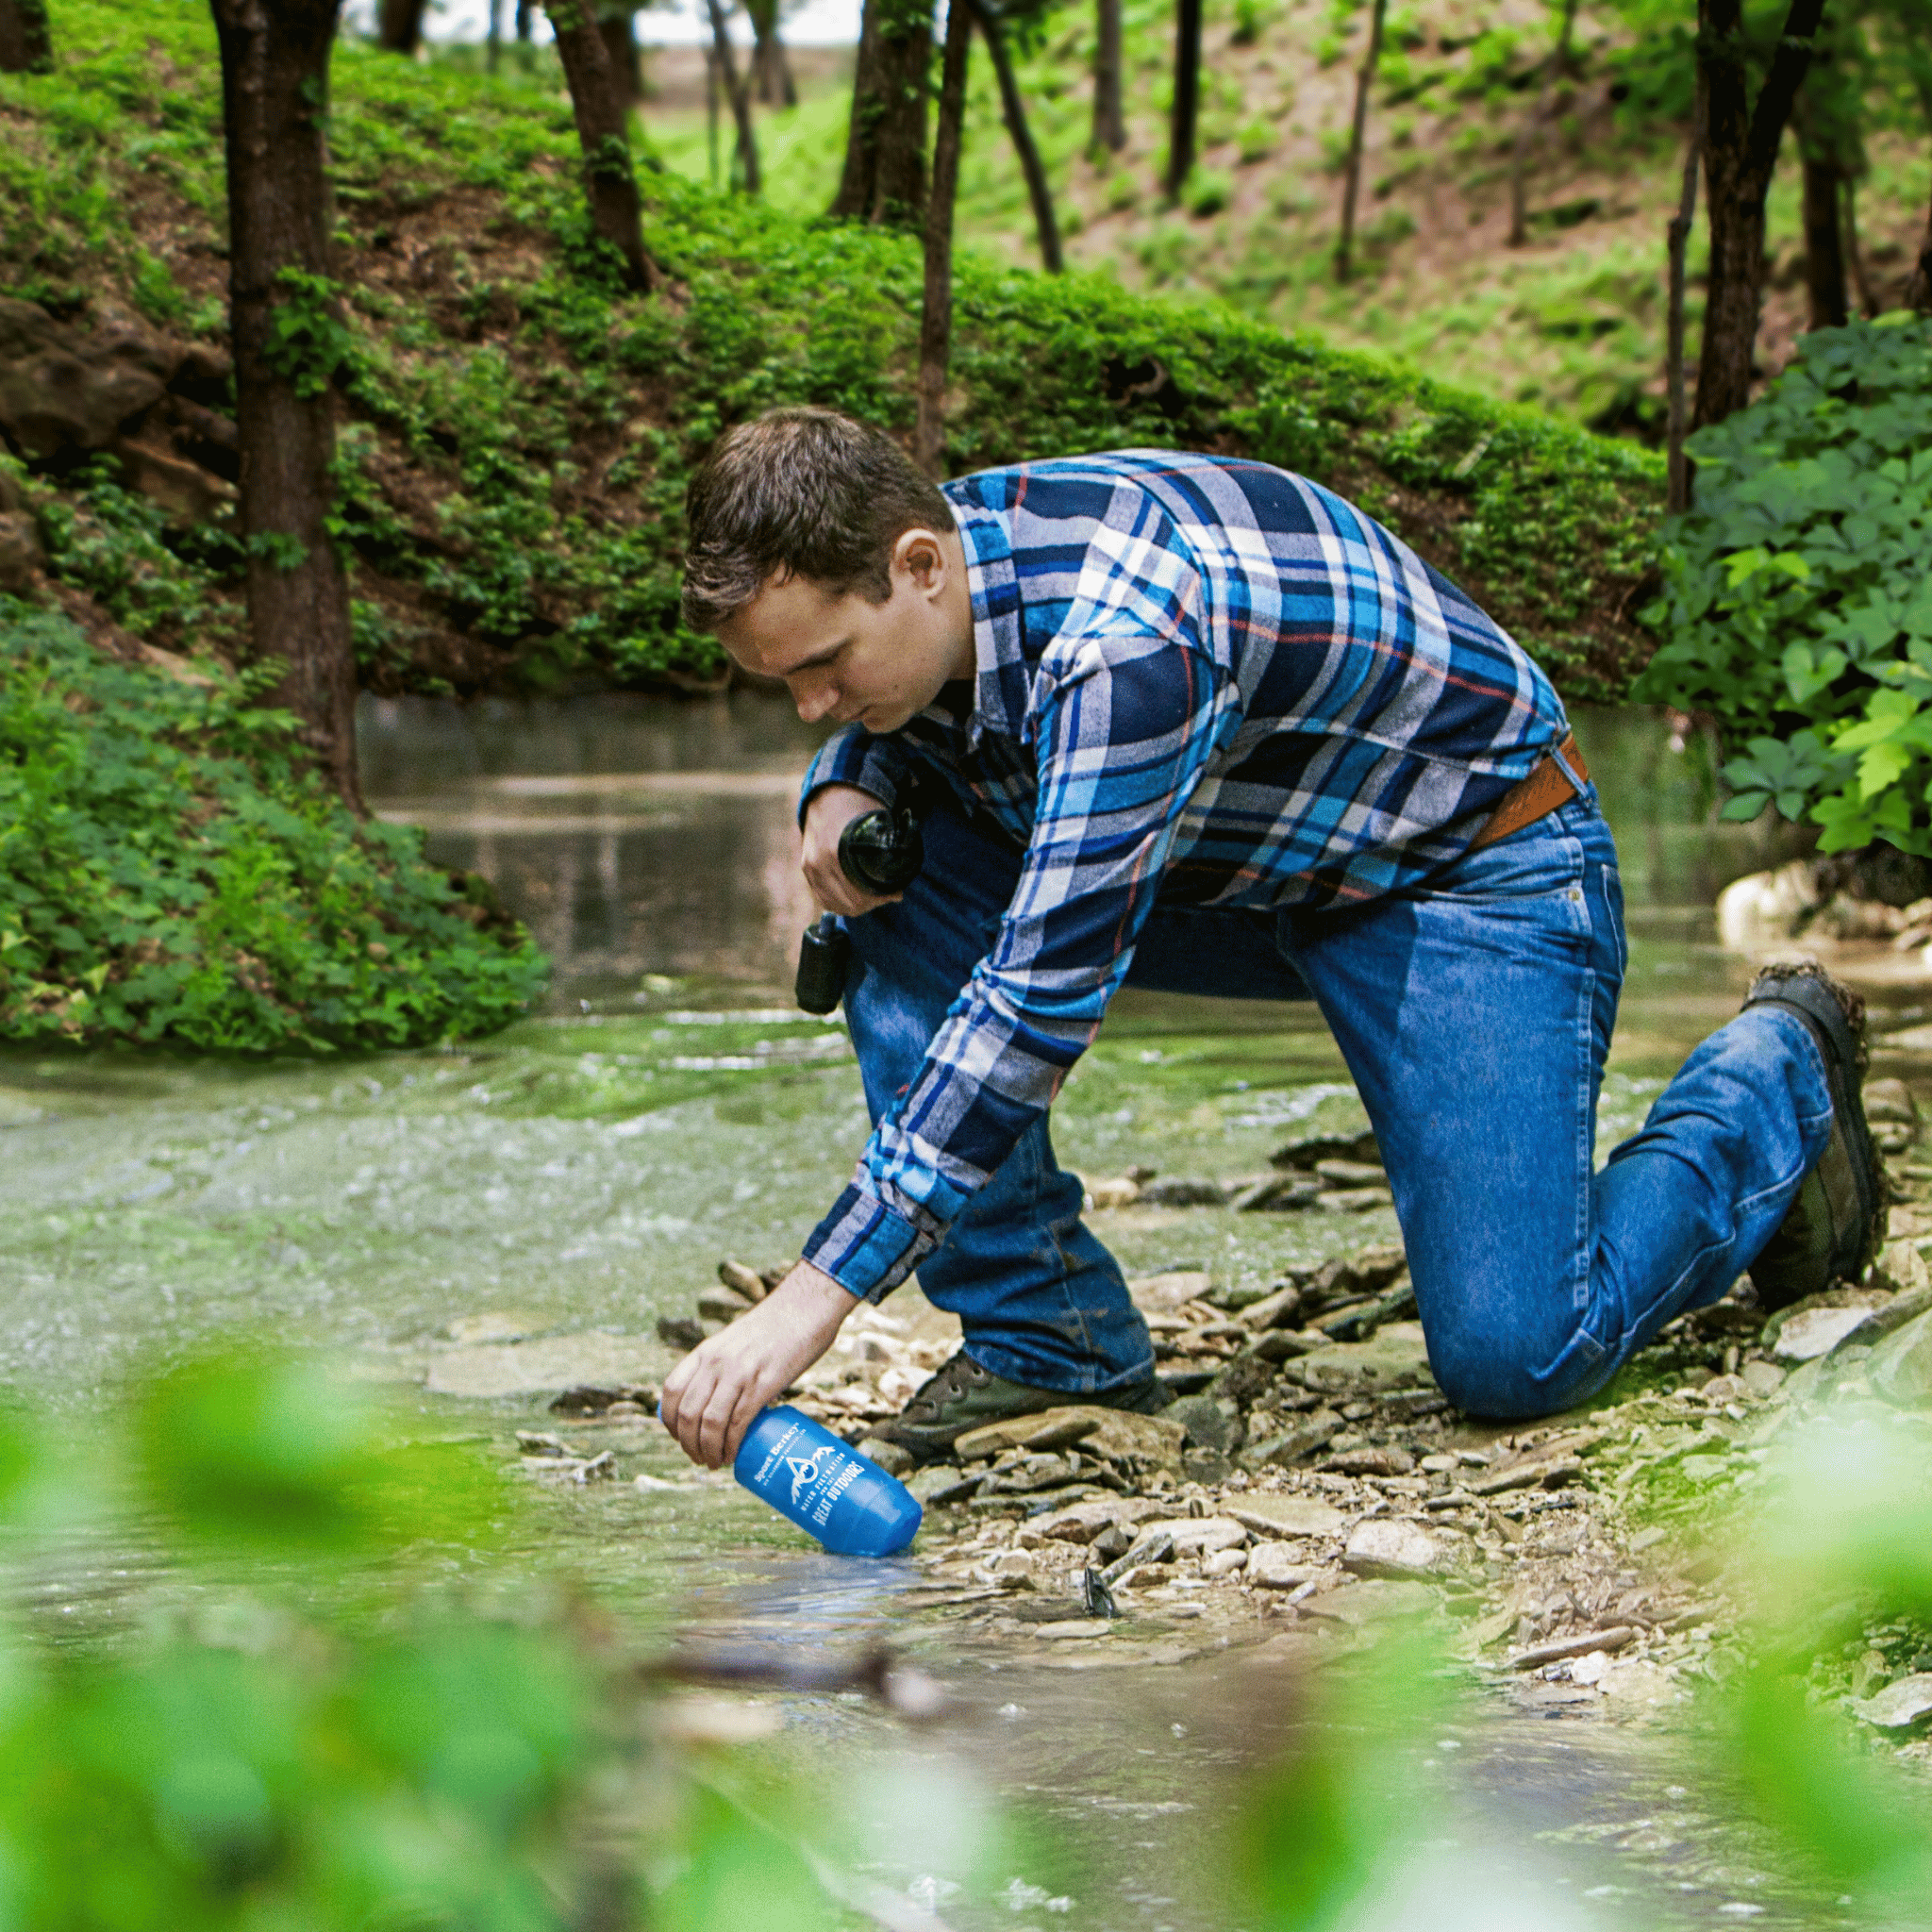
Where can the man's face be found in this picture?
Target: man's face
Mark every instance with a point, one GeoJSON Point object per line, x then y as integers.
{"type": "Point", "coordinates": [855, 661]}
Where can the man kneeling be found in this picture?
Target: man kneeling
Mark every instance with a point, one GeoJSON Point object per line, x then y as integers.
{"type": "Point", "coordinates": [1196, 723]}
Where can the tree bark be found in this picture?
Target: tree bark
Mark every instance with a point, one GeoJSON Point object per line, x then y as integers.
{"type": "Point", "coordinates": [1110, 117]}
{"type": "Point", "coordinates": [619, 33]}
{"type": "Point", "coordinates": [1825, 253]}
{"type": "Point", "coordinates": [399, 25]}
{"type": "Point", "coordinates": [275, 94]}
{"type": "Point", "coordinates": [936, 310]}
{"type": "Point", "coordinates": [1553, 68]}
{"type": "Point", "coordinates": [1352, 179]}
{"type": "Point", "coordinates": [1185, 119]}
{"type": "Point", "coordinates": [1855, 254]}
{"type": "Point", "coordinates": [494, 39]}
{"type": "Point", "coordinates": [712, 116]}
{"type": "Point", "coordinates": [883, 178]}
{"type": "Point", "coordinates": [1013, 106]}
{"type": "Point", "coordinates": [1918, 289]}
{"type": "Point", "coordinates": [1677, 466]}
{"type": "Point", "coordinates": [526, 20]}
{"type": "Point", "coordinates": [27, 42]}
{"type": "Point", "coordinates": [745, 158]}
{"type": "Point", "coordinates": [1740, 151]}
{"type": "Point", "coordinates": [610, 183]}
{"type": "Point", "coordinates": [769, 62]}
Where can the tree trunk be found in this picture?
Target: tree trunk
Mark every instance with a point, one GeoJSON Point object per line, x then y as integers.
{"type": "Point", "coordinates": [1109, 118]}
{"type": "Point", "coordinates": [609, 184]}
{"type": "Point", "coordinates": [1855, 254]}
{"type": "Point", "coordinates": [1824, 254]}
{"type": "Point", "coordinates": [1187, 96]}
{"type": "Point", "coordinates": [1352, 180]}
{"type": "Point", "coordinates": [1739, 153]}
{"type": "Point", "coordinates": [494, 58]}
{"type": "Point", "coordinates": [936, 312]}
{"type": "Point", "coordinates": [1553, 68]}
{"type": "Point", "coordinates": [744, 162]}
{"type": "Point", "coordinates": [1677, 466]}
{"type": "Point", "coordinates": [1013, 105]}
{"type": "Point", "coordinates": [399, 25]}
{"type": "Point", "coordinates": [526, 20]}
{"type": "Point", "coordinates": [619, 33]}
{"type": "Point", "coordinates": [275, 95]}
{"type": "Point", "coordinates": [883, 178]}
{"type": "Point", "coordinates": [774, 70]}
{"type": "Point", "coordinates": [1918, 289]}
{"type": "Point", "coordinates": [27, 43]}
{"type": "Point", "coordinates": [712, 116]}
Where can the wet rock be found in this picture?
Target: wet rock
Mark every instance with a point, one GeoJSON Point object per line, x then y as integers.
{"type": "Point", "coordinates": [1289, 1445]}
{"type": "Point", "coordinates": [1161, 1294]}
{"type": "Point", "coordinates": [1389, 1546]}
{"type": "Point", "coordinates": [1200, 1535]}
{"type": "Point", "coordinates": [1816, 1325]}
{"type": "Point", "coordinates": [1211, 1423]}
{"type": "Point", "coordinates": [1899, 1705]}
{"type": "Point", "coordinates": [1395, 1357]}
{"type": "Point", "coordinates": [545, 1367]}
{"type": "Point", "coordinates": [1281, 1566]}
{"type": "Point", "coordinates": [1900, 1366]}
{"type": "Point", "coordinates": [722, 1304]}
{"type": "Point", "coordinates": [1282, 1516]}
{"type": "Point", "coordinates": [1371, 1462]}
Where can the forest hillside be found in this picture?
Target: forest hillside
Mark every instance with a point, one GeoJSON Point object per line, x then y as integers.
{"type": "Point", "coordinates": [518, 428]}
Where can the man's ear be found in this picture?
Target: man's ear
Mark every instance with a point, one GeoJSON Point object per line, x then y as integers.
{"type": "Point", "coordinates": [918, 554]}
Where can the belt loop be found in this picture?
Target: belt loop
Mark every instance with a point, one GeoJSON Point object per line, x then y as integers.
{"type": "Point", "coordinates": [1564, 766]}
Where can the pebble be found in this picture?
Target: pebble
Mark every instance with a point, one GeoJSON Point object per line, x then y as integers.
{"type": "Point", "coordinates": [1225, 1563]}
{"type": "Point", "coordinates": [1280, 1516]}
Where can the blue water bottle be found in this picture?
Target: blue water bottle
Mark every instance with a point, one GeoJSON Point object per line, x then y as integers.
{"type": "Point", "coordinates": [830, 1490]}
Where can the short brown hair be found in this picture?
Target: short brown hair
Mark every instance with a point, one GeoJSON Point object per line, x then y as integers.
{"type": "Point", "coordinates": [800, 493]}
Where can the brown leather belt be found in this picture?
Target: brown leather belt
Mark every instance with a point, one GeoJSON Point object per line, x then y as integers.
{"type": "Point", "coordinates": [1534, 797]}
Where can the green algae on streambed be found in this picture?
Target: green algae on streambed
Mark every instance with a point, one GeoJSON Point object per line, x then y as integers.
{"type": "Point", "coordinates": [580, 1175]}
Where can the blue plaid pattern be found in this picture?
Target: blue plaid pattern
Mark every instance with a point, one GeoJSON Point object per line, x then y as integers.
{"type": "Point", "coordinates": [1199, 678]}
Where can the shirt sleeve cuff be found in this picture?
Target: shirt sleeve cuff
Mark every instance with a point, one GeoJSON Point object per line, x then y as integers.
{"type": "Point", "coordinates": [865, 1247]}
{"type": "Point", "coordinates": [847, 757]}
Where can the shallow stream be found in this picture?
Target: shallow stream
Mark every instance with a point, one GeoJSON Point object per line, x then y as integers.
{"type": "Point", "coordinates": [561, 1186]}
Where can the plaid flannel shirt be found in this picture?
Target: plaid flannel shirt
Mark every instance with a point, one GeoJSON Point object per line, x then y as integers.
{"type": "Point", "coordinates": [1202, 681]}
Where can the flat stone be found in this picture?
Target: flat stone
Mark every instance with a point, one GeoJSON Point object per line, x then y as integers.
{"type": "Point", "coordinates": [1639, 1684]}
{"type": "Point", "coordinates": [1310, 1433]}
{"type": "Point", "coordinates": [1371, 1462]}
{"type": "Point", "coordinates": [1898, 1705]}
{"type": "Point", "coordinates": [1160, 1294]}
{"type": "Point", "coordinates": [497, 1325]}
{"type": "Point", "coordinates": [1280, 1516]}
{"type": "Point", "coordinates": [1082, 1522]}
{"type": "Point", "coordinates": [1274, 1310]}
{"type": "Point", "coordinates": [1351, 1174]}
{"type": "Point", "coordinates": [1278, 1566]}
{"type": "Point", "coordinates": [1051, 1428]}
{"type": "Point", "coordinates": [1816, 1325]}
{"type": "Point", "coordinates": [1901, 1367]}
{"type": "Point", "coordinates": [1199, 1535]}
{"type": "Point", "coordinates": [1763, 1380]}
{"type": "Point", "coordinates": [721, 1304]}
{"type": "Point", "coordinates": [1388, 1546]}
{"type": "Point", "coordinates": [1396, 1356]}
{"type": "Point", "coordinates": [532, 1368]}
{"type": "Point", "coordinates": [1353, 1200]}
{"type": "Point", "coordinates": [1208, 1424]}
{"type": "Point", "coordinates": [1072, 1627]}
{"type": "Point", "coordinates": [1373, 1601]}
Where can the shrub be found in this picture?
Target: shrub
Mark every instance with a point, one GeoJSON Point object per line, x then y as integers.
{"type": "Point", "coordinates": [1798, 603]}
{"type": "Point", "coordinates": [170, 872]}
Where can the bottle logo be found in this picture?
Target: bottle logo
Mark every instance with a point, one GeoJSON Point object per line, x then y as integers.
{"type": "Point", "coordinates": [805, 1471]}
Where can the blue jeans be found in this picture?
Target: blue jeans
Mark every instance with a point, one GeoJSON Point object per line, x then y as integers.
{"type": "Point", "coordinates": [1474, 1014]}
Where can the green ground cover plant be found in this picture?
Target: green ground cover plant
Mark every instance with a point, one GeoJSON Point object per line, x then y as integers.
{"type": "Point", "coordinates": [1799, 603]}
{"type": "Point", "coordinates": [171, 874]}
{"type": "Point", "coordinates": [520, 429]}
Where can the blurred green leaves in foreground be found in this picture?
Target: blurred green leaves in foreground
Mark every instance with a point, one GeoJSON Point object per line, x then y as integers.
{"type": "Point", "coordinates": [360, 1709]}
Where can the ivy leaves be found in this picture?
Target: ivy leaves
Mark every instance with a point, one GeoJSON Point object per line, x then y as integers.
{"type": "Point", "coordinates": [1799, 589]}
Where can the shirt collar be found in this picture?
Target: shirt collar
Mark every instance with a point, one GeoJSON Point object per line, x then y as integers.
{"type": "Point", "coordinates": [1001, 682]}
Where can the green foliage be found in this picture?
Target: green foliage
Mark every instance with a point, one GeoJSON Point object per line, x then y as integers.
{"type": "Point", "coordinates": [1799, 606]}
{"type": "Point", "coordinates": [306, 340]}
{"type": "Point", "coordinates": [170, 873]}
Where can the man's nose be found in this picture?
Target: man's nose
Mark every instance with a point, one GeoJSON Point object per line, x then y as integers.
{"type": "Point", "coordinates": [813, 701]}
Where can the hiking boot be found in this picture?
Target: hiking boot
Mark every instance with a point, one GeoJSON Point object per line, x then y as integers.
{"type": "Point", "coordinates": [962, 1395]}
{"type": "Point", "coordinates": [1836, 1221]}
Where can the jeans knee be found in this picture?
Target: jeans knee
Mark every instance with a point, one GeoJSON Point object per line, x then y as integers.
{"type": "Point", "coordinates": [1506, 1376]}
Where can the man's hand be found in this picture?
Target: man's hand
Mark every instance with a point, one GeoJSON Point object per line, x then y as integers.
{"type": "Point", "coordinates": [715, 1393]}
{"type": "Point", "coordinates": [830, 811]}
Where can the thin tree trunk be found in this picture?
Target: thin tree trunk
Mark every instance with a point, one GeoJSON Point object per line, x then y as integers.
{"type": "Point", "coordinates": [1918, 289]}
{"type": "Point", "coordinates": [1553, 68]}
{"type": "Point", "coordinates": [1739, 153]}
{"type": "Point", "coordinates": [883, 176]}
{"type": "Point", "coordinates": [27, 42]}
{"type": "Point", "coordinates": [1855, 254]}
{"type": "Point", "coordinates": [274, 98]}
{"type": "Point", "coordinates": [1110, 119]}
{"type": "Point", "coordinates": [494, 60]}
{"type": "Point", "coordinates": [936, 310]}
{"type": "Point", "coordinates": [610, 183]}
{"type": "Point", "coordinates": [1824, 254]}
{"type": "Point", "coordinates": [619, 33]}
{"type": "Point", "coordinates": [399, 25]}
{"type": "Point", "coordinates": [769, 62]}
{"type": "Point", "coordinates": [1677, 497]}
{"type": "Point", "coordinates": [526, 20]}
{"type": "Point", "coordinates": [745, 160]}
{"type": "Point", "coordinates": [1187, 96]}
{"type": "Point", "coordinates": [1352, 180]}
{"type": "Point", "coordinates": [1013, 105]}
{"type": "Point", "coordinates": [711, 115]}
{"type": "Point", "coordinates": [788, 88]}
